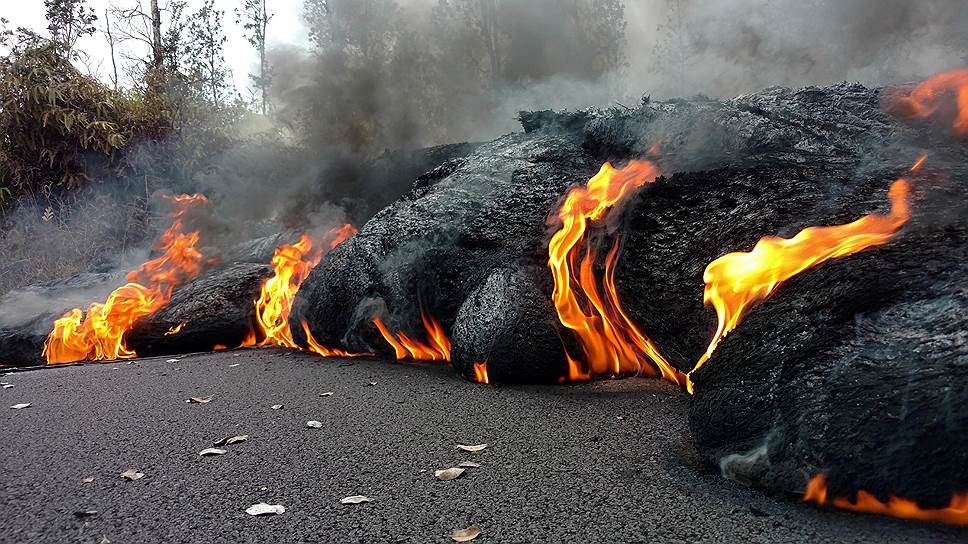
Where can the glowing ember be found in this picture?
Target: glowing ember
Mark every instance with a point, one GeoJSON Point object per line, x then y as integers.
{"type": "Point", "coordinates": [611, 343]}
{"type": "Point", "coordinates": [736, 282]}
{"type": "Point", "coordinates": [956, 513]}
{"type": "Point", "coordinates": [933, 94]}
{"type": "Point", "coordinates": [480, 372]}
{"type": "Point", "coordinates": [99, 333]}
{"type": "Point", "coordinates": [176, 329]}
{"type": "Point", "coordinates": [437, 347]}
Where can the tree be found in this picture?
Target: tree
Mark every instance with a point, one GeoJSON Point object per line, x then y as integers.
{"type": "Point", "coordinates": [204, 52]}
{"type": "Point", "coordinates": [68, 21]}
{"type": "Point", "coordinates": [254, 20]}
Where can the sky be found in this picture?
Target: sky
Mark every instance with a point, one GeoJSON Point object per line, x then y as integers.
{"type": "Point", "coordinates": [285, 28]}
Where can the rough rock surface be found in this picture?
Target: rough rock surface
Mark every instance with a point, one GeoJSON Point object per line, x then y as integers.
{"type": "Point", "coordinates": [855, 368]}
{"type": "Point", "coordinates": [215, 309]}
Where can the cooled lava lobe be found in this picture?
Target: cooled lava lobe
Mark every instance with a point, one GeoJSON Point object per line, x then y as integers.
{"type": "Point", "coordinates": [855, 368]}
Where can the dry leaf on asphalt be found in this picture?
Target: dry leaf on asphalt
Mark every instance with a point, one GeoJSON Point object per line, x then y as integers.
{"type": "Point", "coordinates": [469, 464]}
{"type": "Point", "coordinates": [21, 406]}
{"type": "Point", "coordinates": [132, 474]}
{"type": "Point", "coordinates": [355, 499]}
{"type": "Point", "coordinates": [87, 479]}
{"type": "Point", "coordinates": [477, 447]}
{"type": "Point", "coordinates": [314, 424]}
{"type": "Point", "coordinates": [202, 400]}
{"type": "Point", "coordinates": [465, 535]}
{"type": "Point", "coordinates": [449, 473]}
{"type": "Point", "coordinates": [211, 451]}
{"type": "Point", "coordinates": [263, 509]}
{"type": "Point", "coordinates": [229, 440]}
{"type": "Point", "coordinates": [278, 406]}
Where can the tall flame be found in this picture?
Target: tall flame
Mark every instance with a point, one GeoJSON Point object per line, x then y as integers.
{"type": "Point", "coordinates": [437, 347]}
{"type": "Point", "coordinates": [610, 342]}
{"type": "Point", "coordinates": [737, 281]}
{"type": "Point", "coordinates": [956, 513]}
{"type": "Point", "coordinates": [925, 99]}
{"type": "Point", "coordinates": [291, 266]}
{"type": "Point", "coordinates": [99, 333]}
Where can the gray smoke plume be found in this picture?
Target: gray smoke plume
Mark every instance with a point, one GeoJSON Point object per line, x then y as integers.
{"type": "Point", "coordinates": [385, 74]}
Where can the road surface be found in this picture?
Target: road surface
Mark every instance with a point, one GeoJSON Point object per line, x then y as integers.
{"type": "Point", "coordinates": [609, 461]}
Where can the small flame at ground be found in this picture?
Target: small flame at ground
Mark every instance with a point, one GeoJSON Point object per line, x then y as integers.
{"type": "Point", "coordinates": [99, 333]}
{"type": "Point", "coordinates": [956, 513]}
{"type": "Point", "coordinates": [736, 282]}
{"type": "Point", "coordinates": [437, 347]}
{"type": "Point", "coordinates": [610, 342]}
{"type": "Point", "coordinates": [929, 96]}
{"type": "Point", "coordinates": [176, 329]}
{"type": "Point", "coordinates": [480, 372]}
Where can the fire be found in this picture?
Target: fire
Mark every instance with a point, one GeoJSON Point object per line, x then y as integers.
{"type": "Point", "coordinates": [176, 329]}
{"type": "Point", "coordinates": [480, 372]}
{"type": "Point", "coordinates": [99, 333]}
{"type": "Point", "coordinates": [737, 281]}
{"type": "Point", "coordinates": [437, 347]}
{"type": "Point", "coordinates": [611, 343]}
{"type": "Point", "coordinates": [930, 95]}
{"type": "Point", "coordinates": [291, 266]}
{"type": "Point", "coordinates": [319, 349]}
{"type": "Point", "coordinates": [956, 513]}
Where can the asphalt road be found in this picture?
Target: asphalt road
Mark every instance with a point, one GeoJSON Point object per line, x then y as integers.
{"type": "Point", "coordinates": [609, 461]}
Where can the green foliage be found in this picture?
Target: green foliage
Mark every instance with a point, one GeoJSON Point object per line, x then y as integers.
{"type": "Point", "coordinates": [254, 19]}
{"type": "Point", "coordinates": [59, 127]}
{"type": "Point", "coordinates": [68, 21]}
{"type": "Point", "coordinates": [204, 56]}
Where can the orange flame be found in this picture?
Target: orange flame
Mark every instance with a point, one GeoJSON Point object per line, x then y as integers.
{"type": "Point", "coordinates": [737, 281]}
{"type": "Point", "coordinates": [480, 372]}
{"type": "Point", "coordinates": [956, 513]}
{"type": "Point", "coordinates": [611, 343]}
{"type": "Point", "coordinates": [291, 266]}
{"type": "Point", "coordinates": [437, 348]}
{"type": "Point", "coordinates": [99, 334]}
{"type": "Point", "coordinates": [929, 96]}
{"type": "Point", "coordinates": [319, 349]}
{"type": "Point", "coordinates": [176, 329]}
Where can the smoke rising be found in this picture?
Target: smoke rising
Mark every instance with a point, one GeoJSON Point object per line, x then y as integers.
{"type": "Point", "coordinates": [385, 74]}
{"type": "Point", "coordinates": [382, 78]}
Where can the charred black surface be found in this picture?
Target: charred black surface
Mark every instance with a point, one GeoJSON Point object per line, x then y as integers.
{"type": "Point", "coordinates": [441, 242]}
{"type": "Point", "coordinates": [215, 309]}
{"type": "Point", "coordinates": [855, 368]}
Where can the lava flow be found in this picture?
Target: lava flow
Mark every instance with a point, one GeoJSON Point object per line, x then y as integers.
{"type": "Point", "coordinates": [291, 266]}
{"type": "Point", "coordinates": [99, 333]}
{"type": "Point", "coordinates": [932, 95]}
{"type": "Point", "coordinates": [437, 347]}
{"type": "Point", "coordinates": [611, 343]}
{"type": "Point", "coordinates": [737, 281]}
{"type": "Point", "coordinates": [956, 513]}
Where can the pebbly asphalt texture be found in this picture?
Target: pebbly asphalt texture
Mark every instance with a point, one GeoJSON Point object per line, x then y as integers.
{"type": "Point", "coordinates": [602, 462]}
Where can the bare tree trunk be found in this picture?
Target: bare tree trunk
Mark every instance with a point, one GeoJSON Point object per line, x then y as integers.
{"type": "Point", "coordinates": [158, 57]}
{"type": "Point", "coordinates": [114, 62]}
{"type": "Point", "coordinates": [263, 65]}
